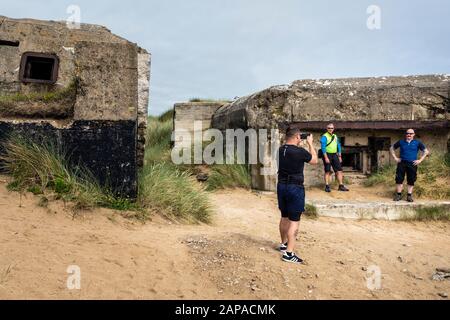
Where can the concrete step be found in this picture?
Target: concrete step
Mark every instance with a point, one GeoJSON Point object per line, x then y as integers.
{"type": "Point", "coordinates": [373, 210]}
{"type": "Point", "coordinates": [355, 177]}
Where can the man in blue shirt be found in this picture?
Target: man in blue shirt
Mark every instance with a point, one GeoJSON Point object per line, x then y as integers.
{"type": "Point", "coordinates": [407, 163]}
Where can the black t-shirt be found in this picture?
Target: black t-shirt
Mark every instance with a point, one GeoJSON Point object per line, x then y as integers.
{"type": "Point", "coordinates": [291, 162]}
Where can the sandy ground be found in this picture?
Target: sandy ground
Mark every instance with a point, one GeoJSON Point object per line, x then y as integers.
{"type": "Point", "coordinates": [234, 258]}
{"type": "Point", "coordinates": [357, 193]}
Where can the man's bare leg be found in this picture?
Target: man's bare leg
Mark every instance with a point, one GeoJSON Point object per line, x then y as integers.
{"type": "Point", "coordinates": [284, 227]}
{"type": "Point", "coordinates": [410, 189]}
{"type": "Point", "coordinates": [327, 178]}
{"type": "Point", "coordinates": [399, 188]}
{"type": "Point", "coordinates": [340, 177]}
{"type": "Point", "coordinates": [292, 231]}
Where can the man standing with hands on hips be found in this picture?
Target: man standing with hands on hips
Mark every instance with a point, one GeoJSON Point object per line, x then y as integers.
{"type": "Point", "coordinates": [407, 163]}
{"type": "Point", "coordinates": [290, 189]}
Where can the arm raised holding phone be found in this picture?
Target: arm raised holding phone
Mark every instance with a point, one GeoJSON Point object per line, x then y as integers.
{"type": "Point", "coordinates": [309, 141]}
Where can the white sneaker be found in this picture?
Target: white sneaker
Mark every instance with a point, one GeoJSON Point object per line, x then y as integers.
{"type": "Point", "coordinates": [293, 258]}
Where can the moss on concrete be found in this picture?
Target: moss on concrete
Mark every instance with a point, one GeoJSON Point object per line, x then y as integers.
{"type": "Point", "coordinates": [54, 104]}
{"type": "Point", "coordinates": [433, 213]}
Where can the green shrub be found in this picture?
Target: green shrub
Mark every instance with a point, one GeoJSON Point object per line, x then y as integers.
{"type": "Point", "coordinates": [311, 211]}
{"type": "Point", "coordinates": [35, 190]}
{"type": "Point", "coordinates": [61, 186]}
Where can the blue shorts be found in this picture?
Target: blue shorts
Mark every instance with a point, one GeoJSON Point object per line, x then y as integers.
{"type": "Point", "coordinates": [291, 200]}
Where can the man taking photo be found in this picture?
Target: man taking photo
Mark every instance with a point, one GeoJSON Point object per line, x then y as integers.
{"type": "Point", "coordinates": [407, 163]}
{"type": "Point", "coordinates": [290, 189]}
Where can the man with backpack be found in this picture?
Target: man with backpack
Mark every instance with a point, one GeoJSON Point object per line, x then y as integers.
{"type": "Point", "coordinates": [330, 152]}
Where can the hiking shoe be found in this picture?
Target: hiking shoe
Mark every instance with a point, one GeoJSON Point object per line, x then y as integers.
{"type": "Point", "coordinates": [283, 247]}
{"type": "Point", "coordinates": [409, 198]}
{"type": "Point", "coordinates": [397, 197]}
{"type": "Point", "coordinates": [293, 258]}
{"type": "Point", "coordinates": [342, 188]}
{"type": "Point", "coordinates": [327, 188]}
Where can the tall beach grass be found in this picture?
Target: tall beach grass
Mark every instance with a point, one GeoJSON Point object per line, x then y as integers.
{"type": "Point", "coordinates": [39, 167]}
{"type": "Point", "coordinates": [174, 193]}
{"type": "Point", "coordinates": [164, 187]}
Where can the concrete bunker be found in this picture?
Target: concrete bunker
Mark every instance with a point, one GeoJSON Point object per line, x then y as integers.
{"type": "Point", "coordinates": [369, 115]}
{"type": "Point", "coordinates": [85, 88]}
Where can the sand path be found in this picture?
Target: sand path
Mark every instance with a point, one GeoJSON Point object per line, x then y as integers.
{"type": "Point", "coordinates": [232, 258]}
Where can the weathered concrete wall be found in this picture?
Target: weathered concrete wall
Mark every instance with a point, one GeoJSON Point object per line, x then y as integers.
{"type": "Point", "coordinates": [109, 82]}
{"type": "Point", "coordinates": [356, 99]}
{"type": "Point", "coordinates": [143, 98]}
{"type": "Point", "coordinates": [186, 113]}
{"type": "Point", "coordinates": [111, 92]}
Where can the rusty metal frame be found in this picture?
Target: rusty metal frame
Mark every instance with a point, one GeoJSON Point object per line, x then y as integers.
{"type": "Point", "coordinates": [373, 125]}
{"type": "Point", "coordinates": [23, 63]}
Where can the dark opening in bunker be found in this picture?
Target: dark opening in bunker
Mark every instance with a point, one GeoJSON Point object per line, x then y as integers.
{"type": "Point", "coordinates": [376, 145]}
{"type": "Point", "coordinates": [9, 43]}
{"type": "Point", "coordinates": [352, 158]}
{"type": "Point", "coordinates": [39, 68]}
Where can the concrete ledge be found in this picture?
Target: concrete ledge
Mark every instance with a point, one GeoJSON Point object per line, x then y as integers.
{"type": "Point", "coordinates": [373, 210]}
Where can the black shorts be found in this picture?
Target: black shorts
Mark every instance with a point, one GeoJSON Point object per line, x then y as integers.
{"type": "Point", "coordinates": [408, 168]}
{"type": "Point", "coordinates": [334, 162]}
{"type": "Point", "coordinates": [291, 200]}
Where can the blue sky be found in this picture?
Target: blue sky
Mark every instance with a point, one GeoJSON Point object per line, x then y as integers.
{"type": "Point", "coordinates": [223, 49]}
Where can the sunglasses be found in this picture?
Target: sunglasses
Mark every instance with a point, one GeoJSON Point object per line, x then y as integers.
{"type": "Point", "coordinates": [409, 133]}
{"type": "Point", "coordinates": [330, 128]}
